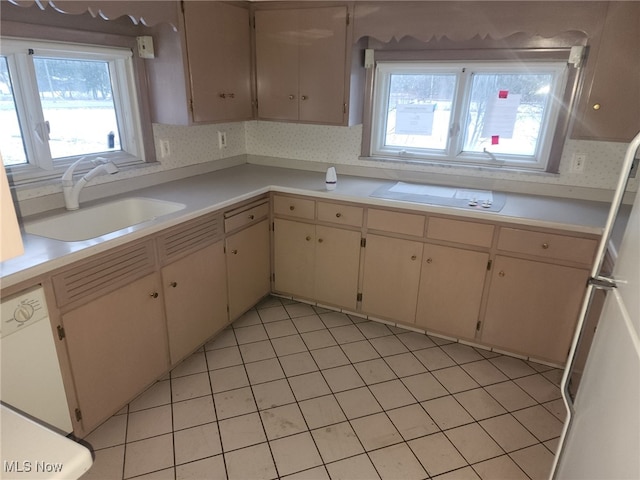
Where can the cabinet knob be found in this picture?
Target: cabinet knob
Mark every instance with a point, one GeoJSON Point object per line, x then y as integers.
{"type": "Point", "coordinates": [545, 246]}
{"type": "Point", "coordinates": [292, 97]}
{"type": "Point", "coordinates": [222, 95]}
{"type": "Point", "coordinates": [320, 240]}
{"type": "Point", "coordinates": [292, 207]}
{"type": "Point", "coordinates": [173, 284]}
{"type": "Point", "coordinates": [304, 97]}
{"type": "Point", "coordinates": [234, 251]}
{"type": "Point", "coordinates": [251, 217]}
{"type": "Point", "coordinates": [232, 95]}
{"type": "Point", "coordinates": [429, 260]}
{"type": "Point", "coordinates": [501, 273]}
{"type": "Point", "coordinates": [153, 294]}
{"type": "Point", "coordinates": [413, 257]}
{"type": "Point", "coordinates": [596, 106]}
{"type": "Point", "coordinates": [338, 215]}
{"type": "Point", "coordinates": [308, 238]}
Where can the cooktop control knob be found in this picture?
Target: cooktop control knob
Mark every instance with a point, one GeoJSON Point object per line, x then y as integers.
{"type": "Point", "coordinates": [23, 313]}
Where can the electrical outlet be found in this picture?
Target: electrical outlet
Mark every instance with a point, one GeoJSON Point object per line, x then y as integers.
{"type": "Point", "coordinates": [634, 168]}
{"type": "Point", "coordinates": [577, 165]}
{"type": "Point", "coordinates": [165, 148]}
{"type": "Point", "coordinates": [222, 140]}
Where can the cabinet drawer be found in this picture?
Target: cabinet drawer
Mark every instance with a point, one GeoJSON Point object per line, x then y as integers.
{"type": "Point", "coordinates": [294, 207]}
{"type": "Point", "coordinates": [242, 216]}
{"type": "Point", "coordinates": [341, 214]}
{"type": "Point", "coordinates": [405, 223]}
{"type": "Point", "coordinates": [459, 231]}
{"type": "Point", "coordinates": [547, 245]}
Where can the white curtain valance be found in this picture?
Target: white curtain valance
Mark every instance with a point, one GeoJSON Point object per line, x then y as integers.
{"type": "Point", "coordinates": [140, 12]}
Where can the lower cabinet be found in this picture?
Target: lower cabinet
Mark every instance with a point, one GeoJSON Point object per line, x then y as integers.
{"type": "Point", "coordinates": [391, 278]}
{"type": "Point", "coordinates": [450, 294]}
{"type": "Point", "coordinates": [532, 307]}
{"type": "Point", "coordinates": [248, 268]}
{"type": "Point", "coordinates": [195, 295]}
{"type": "Point", "coordinates": [117, 346]}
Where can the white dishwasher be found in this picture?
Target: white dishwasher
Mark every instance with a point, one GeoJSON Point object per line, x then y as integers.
{"type": "Point", "coordinates": [31, 379]}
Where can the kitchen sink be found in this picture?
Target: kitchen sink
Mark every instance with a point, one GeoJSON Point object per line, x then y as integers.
{"type": "Point", "coordinates": [92, 222]}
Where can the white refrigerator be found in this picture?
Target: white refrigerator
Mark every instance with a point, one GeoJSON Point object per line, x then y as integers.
{"type": "Point", "coordinates": [602, 438]}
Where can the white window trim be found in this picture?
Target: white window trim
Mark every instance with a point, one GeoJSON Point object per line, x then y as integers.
{"type": "Point", "coordinates": [453, 154]}
{"type": "Point", "coordinates": [40, 165]}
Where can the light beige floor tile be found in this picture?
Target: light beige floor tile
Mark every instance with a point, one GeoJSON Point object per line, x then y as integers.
{"type": "Point", "coordinates": [437, 454]}
{"type": "Point", "coordinates": [228, 378]}
{"type": "Point", "coordinates": [295, 453]}
{"type": "Point", "coordinates": [484, 372]}
{"type": "Point", "coordinates": [335, 319]}
{"type": "Point", "coordinates": [374, 329]}
{"type": "Point", "coordinates": [347, 333]}
{"type": "Point", "coordinates": [273, 314]}
{"type": "Point", "coordinates": [508, 432]}
{"type": "Point", "coordinates": [405, 364]}
{"type": "Point", "coordinates": [447, 412]}
{"type": "Point", "coordinates": [253, 463]}
{"type": "Point", "coordinates": [322, 411]}
{"type": "Point", "coordinates": [397, 462]}
{"type": "Point", "coordinates": [256, 351]}
{"type": "Point", "coordinates": [539, 422]}
{"type": "Point", "coordinates": [461, 353]}
{"type": "Point", "coordinates": [512, 367]}
{"type": "Point", "coordinates": [415, 341]}
{"type": "Point", "coordinates": [557, 408]}
{"type": "Point", "coordinates": [108, 463]}
{"type": "Point", "coordinates": [376, 431]}
{"type": "Point", "coordinates": [308, 323]}
{"type": "Point", "coordinates": [392, 394]}
{"type": "Point", "coordinates": [298, 364]}
{"type": "Point", "coordinates": [316, 473]}
{"type": "Point", "coordinates": [318, 339]}
{"type": "Point", "coordinates": [386, 346]}
{"type": "Point", "coordinates": [195, 363]}
{"type": "Point", "coordinates": [269, 301]}
{"type": "Point", "coordinates": [272, 394]}
{"type": "Point", "coordinates": [226, 338]}
{"type": "Point", "coordinates": [280, 328]}
{"type": "Point", "coordinates": [539, 388]}
{"type": "Point", "coordinates": [196, 443]}
{"type": "Point", "coordinates": [212, 467]}
{"type": "Point", "coordinates": [264, 371]}
{"type": "Point", "coordinates": [455, 379]}
{"type": "Point", "coordinates": [374, 371]}
{"type": "Point", "coordinates": [360, 351]}
{"type": "Point", "coordinates": [191, 386]}
{"type": "Point", "coordinates": [247, 319]}
{"type": "Point", "coordinates": [329, 357]}
{"type": "Point", "coordinates": [440, 340]}
{"type": "Point", "coordinates": [554, 376]}
{"type": "Point", "coordinates": [552, 445]}
{"type": "Point", "coordinates": [536, 461]}
{"type": "Point", "coordinates": [165, 474]}
{"type": "Point", "coordinates": [224, 357]}
{"type": "Point", "coordinates": [288, 345]}
{"type": "Point", "coordinates": [254, 333]}
{"type": "Point", "coordinates": [111, 433]}
{"type": "Point", "coordinates": [308, 386]}
{"type": "Point", "coordinates": [500, 468]}
{"type": "Point", "coordinates": [148, 455]}
{"type": "Point", "coordinates": [473, 443]}
{"type": "Point", "coordinates": [156, 395]}
{"type": "Point", "coordinates": [358, 403]}
{"type": "Point", "coordinates": [354, 468]}
{"type": "Point", "coordinates": [510, 396]}
{"type": "Point", "coordinates": [342, 378]}
{"type": "Point", "coordinates": [479, 404]}
{"type": "Point", "coordinates": [434, 358]}
{"type": "Point", "coordinates": [337, 442]}
{"type": "Point", "coordinates": [299, 310]}
{"type": "Point", "coordinates": [149, 423]}
{"type": "Point", "coordinates": [412, 421]}
{"type": "Point", "coordinates": [194, 412]}
{"type": "Point", "coordinates": [283, 421]}
{"type": "Point", "coordinates": [242, 431]}
{"type": "Point", "coordinates": [234, 402]}
{"type": "Point", "coordinates": [424, 386]}
{"type": "Point", "coordinates": [465, 473]}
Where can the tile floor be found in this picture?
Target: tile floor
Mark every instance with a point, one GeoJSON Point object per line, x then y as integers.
{"type": "Point", "coordinates": [296, 391]}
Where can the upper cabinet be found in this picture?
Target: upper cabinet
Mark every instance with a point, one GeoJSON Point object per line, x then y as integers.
{"type": "Point", "coordinates": [302, 64]}
{"type": "Point", "coordinates": [202, 73]}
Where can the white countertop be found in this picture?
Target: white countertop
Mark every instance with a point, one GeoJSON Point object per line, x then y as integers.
{"type": "Point", "coordinates": [210, 192]}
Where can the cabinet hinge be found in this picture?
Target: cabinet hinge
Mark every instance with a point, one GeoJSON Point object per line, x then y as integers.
{"type": "Point", "coordinates": [228, 309]}
{"type": "Point", "coordinates": [363, 242]}
{"type": "Point", "coordinates": [344, 108]}
{"type": "Point", "coordinates": [61, 333]}
{"type": "Point", "coordinates": [182, 5]}
{"type": "Point", "coordinates": [252, 22]}
{"type": "Point", "coordinates": [478, 326]}
{"type": "Point", "coordinates": [191, 106]}
{"type": "Point", "coordinates": [273, 276]}
{"type": "Point", "coordinates": [489, 264]}
{"type": "Point", "coordinates": [348, 18]}
{"type": "Point", "coordinates": [359, 297]}
{"type": "Point", "coordinates": [78, 414]}
{"type": "Point", "coordinates": [273, 226]}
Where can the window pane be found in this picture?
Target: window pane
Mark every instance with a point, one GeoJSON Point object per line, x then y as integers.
{"type": "Point", "coordinates": [11, 144]}
{"type": "Point", "coordinates": [419, 110]}
{"type": "Point", "coordinates": [506, 112]}
{"type": "Point", "coordinates": [77, 101]}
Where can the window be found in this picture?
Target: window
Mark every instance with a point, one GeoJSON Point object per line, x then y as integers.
{"type": "Point", "coordinates": [475, 113]}
{"type": "Point", "coordinates": [60, 101]}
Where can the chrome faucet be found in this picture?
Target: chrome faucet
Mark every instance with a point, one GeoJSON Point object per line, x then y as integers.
{"type": "Point", "coordinates": [72, 192]}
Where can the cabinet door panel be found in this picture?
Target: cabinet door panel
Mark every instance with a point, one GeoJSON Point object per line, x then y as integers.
{"type": "Point", "coordinates": [451, 285]}
{"type": "Point", "coordinates": [294, 250]}
{"type": "Point", "coordinates": [337, 266]}
{"type": "Point", "coordinates": [117, 346]}
{"type": "Point", "coordinates": [391, 277]}
{"type": "Point", "coordinates": [533, 307]}
{"type": "Point", "coordinates": [196, 306]}
{"type": "Point", "coordinates": [248, 267]}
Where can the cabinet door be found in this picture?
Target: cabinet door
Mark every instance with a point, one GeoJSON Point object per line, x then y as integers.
{"type": "Point", "coordinates": [294, 252]}
{"type": "Point", "coordinates": [391, 278]}
{"type": "Point", "coordinates": [195, 299]}
{"type": "Point", "coordinates": [322, 57]}
{"type": "Point", "coordinates": [117, 346]}
{"type": "Point", "coordinates": [533, 307]}
{"type": "Point", "coordinates": [337, 262]}
{"type": "Point", "coordinates": [219, 55]}
{"type": "Point", "coordinates": [248, 267]}
{"type": "Point", "coordinates": [451, 286]}
{"type": "Point", "coordinates": [277, 64]}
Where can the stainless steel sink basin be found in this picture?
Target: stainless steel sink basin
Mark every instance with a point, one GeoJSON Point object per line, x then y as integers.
{"type": "Point", "coordinates": [92, 222]}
